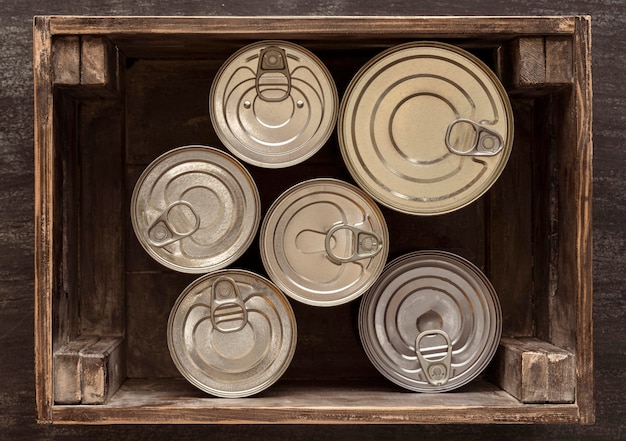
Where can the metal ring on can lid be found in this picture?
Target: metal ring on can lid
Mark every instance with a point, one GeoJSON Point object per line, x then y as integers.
{"type": "Point", "coordinates": [431, 322]}
{"type": "Point", "coordinates": [232, 333]}
{"type": "Point", "coordinates": [273, 104]}
{"type": "Point", "coordinates": [426, 128]}
{"type": "Point", "coordinates": [324, 242]}
{"type": "Point", "coordinates": [195, 209]}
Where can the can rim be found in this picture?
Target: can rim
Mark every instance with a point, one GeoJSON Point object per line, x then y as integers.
{"type": "Point", "coordinates": [343, 107]}
{"type": "Point", "coordinates": [324, 70]}
{"type": "Point", "coordinates": [219, 392]}
{"type": "Point", "coordinates": [483, 358]}
{"type": "Point", "coordinates": [204, 269]}
{"type": "Point", "coordinates": [278, 280]}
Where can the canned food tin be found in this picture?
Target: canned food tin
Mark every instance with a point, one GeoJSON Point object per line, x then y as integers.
{"type": "Point", "coordinates": [273, 104]}
{"type": "Point", "coordinates": [431, 322]}
{"type": "Point", "coordinates": [195, 209]}
{"type": "Point", "coordinates": [426, 128]}
{"type": "Point", "coordinates": [324, 242]}
{"type": "Point", "coordinates": [232, 333]}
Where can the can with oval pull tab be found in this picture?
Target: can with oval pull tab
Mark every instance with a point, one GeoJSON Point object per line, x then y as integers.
{"type": "Point", "coordinates": [324, 242]}
{"type": "Point", "coordinates": [426, 128]}
{"type": "Point", "coordinates": [431, 322]}
{"type": "Point", "coordinates": [273, 104]}
{"type": "Point", "coordinates": [195, 209]}
{"type": "Point", "coordinates": [232, 333]}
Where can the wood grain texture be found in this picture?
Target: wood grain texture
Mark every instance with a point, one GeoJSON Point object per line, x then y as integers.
{"type": "Point", "coordinates": [17, 398]}
{"type": "Point", "coordinates": [534, 371]}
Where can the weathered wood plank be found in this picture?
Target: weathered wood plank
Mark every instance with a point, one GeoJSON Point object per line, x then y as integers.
{"type": "Point", "coordinates": [67, 362]}
{"type": "Point", "coordinates": [528, 62]}
{"type": "Point", "coordinates": [534, 371]}
{"type": "Point", "coordinates": [99, 64]}
{"type": "Point", "coordinates": [581, 235]}
{"type": "Point", "coordinates": [66, 60]}
{"type": "Point", "coordinates": [264, 27]}
{"type": "Point", "coordinates": [103, 369]}
{"type": "Point", "coordinates": [559, 60]}
{"type": "Point", "coordinates": [102, 218]}
{"type": "Point", "coordinates": [509, 244]}
{"type": "Point", "coordinates": [307, 403]}
{"type": "Point", "coordinates": [44, 154]}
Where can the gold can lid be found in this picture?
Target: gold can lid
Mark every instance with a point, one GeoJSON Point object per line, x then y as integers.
{"type": "Point", "coordinates": [324, 242]}
{"type": "Point", "coordinates": [232, 333]}
{"type": "Point", "coordinates": [273, 104]}
{"type": "Point", "coordinates": [426, 128]}
{"type": "Point", "coordinates": [432, 321]}
{"type": "Point", "coordinates": [195, 209]}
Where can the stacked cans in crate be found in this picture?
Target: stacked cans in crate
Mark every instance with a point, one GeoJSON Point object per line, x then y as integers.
{"type": "Point", "coordinates": [424, 128]}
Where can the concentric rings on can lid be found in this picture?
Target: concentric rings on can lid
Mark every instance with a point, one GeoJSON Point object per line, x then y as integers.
{"type": "Point", "coordinates": [324, 242]}
{"type": "Point", "coordinates": [232, 333]}
{"type": "Point", "coordinates": [273, 104]}
{"type": "Point", "coordinates": [426, 128]}
{"type": "Point", "coordinates": [195, 209]}
{"type": "Point", "coordinates": [431, 322]}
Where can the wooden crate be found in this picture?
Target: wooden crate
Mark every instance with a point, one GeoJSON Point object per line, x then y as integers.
{"type": "Point", "coordinates": [113, 93]}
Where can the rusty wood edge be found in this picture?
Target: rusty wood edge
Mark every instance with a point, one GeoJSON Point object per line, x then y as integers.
{"type": "Point", "coordinates": [44, 200]}
{"type": "Point", "coordinates": [584, 264]}
{"type": "Point", "coordinates": [521, 414]}
{"type": "Point", "coordinates": [242, 27]}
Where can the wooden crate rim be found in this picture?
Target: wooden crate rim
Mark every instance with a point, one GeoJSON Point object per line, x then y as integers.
{"type": "Point", "coordinates": [315, 25]}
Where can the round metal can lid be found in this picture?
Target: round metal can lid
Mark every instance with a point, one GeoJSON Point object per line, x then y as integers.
{"type": "Point", "coordinates": [273, 104]}
{"type": "Point", "coordinates": [431, 322]}
{"type": "Point", "coordinates": [232, 333]}
{"type": "Point", "coordinates": [426, 128]}
{"type": "Point", "coordinates": [324, 242]}
{"type": "Point", "coordinates": [195, 209]}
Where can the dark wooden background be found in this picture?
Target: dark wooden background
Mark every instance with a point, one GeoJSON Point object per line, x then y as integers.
{"type": "Point", "coordinates": [17, 383]}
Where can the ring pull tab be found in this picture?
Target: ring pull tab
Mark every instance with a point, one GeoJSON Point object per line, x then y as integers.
{"type": "Point", "coordinates": [482, 140]}
{"type": "Point", "coordinates": [437, 371]}
{"type": "Point", "coordinates": [175, 223]}
{"type": "Point", "coordinates": [273, 81]}
{"type": "Point", "coordinates": [365, 244]}
{"type": "Point", "coordinates": [228, 312]}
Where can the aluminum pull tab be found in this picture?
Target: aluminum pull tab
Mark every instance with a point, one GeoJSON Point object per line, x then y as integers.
{"type": "Point", "coordinates": [273, 81]}
{"type": "Point", "coordinates": [175, 223]}
{"type": "Point", "coordinates": [437, 371]}
{"type": "Point", "coordinates": [228, 312]}
{"type": "Point", "coordinates": [365, 244]}
{"type": "Point", "coordinates": [482, 140]}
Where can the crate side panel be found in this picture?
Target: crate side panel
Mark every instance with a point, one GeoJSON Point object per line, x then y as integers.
{"type": "Point", "coordinates": [101, 228]}
{"type": "Point", "coordinates": [510, 246]}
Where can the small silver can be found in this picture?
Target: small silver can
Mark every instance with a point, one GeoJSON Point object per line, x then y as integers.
{"type": "Point", "coordinates": [232, 333]}
{"type": "Point", "coordinates": [425, 127]}
{"type": "Point", "coordinates": [324, 242]}
{"type": "Point", "coordinates": [431, 322]}
{"type": "Point", "coordinates": [273, 104]}
{"type": "Point", "coordinates": [195, 209]}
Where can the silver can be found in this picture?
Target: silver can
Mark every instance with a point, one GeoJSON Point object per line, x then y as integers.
{"type": "Point", "coordinates": [232, 333]}
{"type": "Point", "coordinates": [425, 128]}
{"type": "Point", "coordinates": [324, 242]}
{"type": "Point", "coordinates": [431, 322]}
{"type": "Point", "coordinates": [195, 209]}
{"type": "Point", "coordinates": [273, 104]}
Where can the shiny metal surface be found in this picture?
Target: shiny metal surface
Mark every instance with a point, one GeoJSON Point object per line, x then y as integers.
{"type": "Point", "coordinates": [273, 104]}
{"type": "Point", "coordinates": [431, 322]}
{"type": "Point", "coordinates": [426, 128]}
{"type": "Point", "coordinates": [232, 333]}
{"type": "Point", "coordinates": [324, 242]}
{"type": "Point", "coordinates": [195, 209]}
